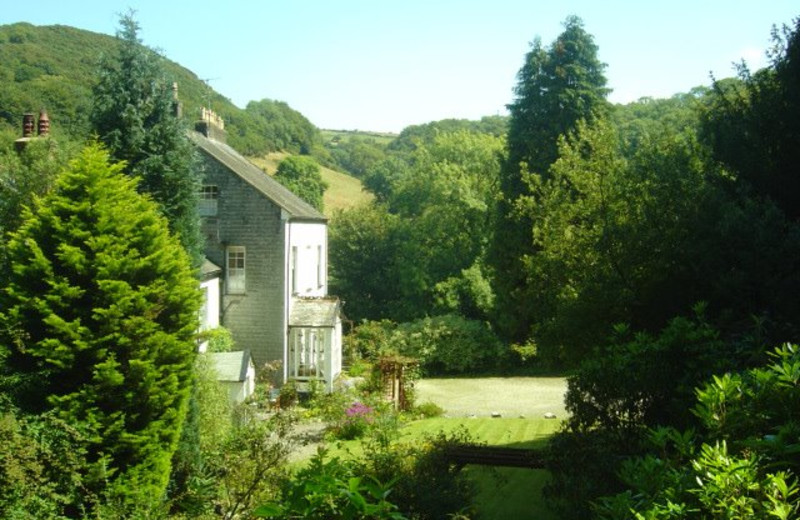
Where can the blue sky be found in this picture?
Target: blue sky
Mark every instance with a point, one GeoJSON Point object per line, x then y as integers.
{"type": "Point", "coordinates": [382, 65]}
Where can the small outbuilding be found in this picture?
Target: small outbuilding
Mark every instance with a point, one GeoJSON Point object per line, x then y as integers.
{"type": "Point", "coordinates": [236, 372]}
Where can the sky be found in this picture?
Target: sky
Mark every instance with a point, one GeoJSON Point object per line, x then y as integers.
{"type": "Point", "coordinates": [381, 65]}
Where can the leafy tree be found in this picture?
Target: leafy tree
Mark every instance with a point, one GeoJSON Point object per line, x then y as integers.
{"type": "Point", "coordinates": [302, 176]}
{"type": "Point", "coordinates": [433, 229]}
{"type": "Point", "coordinates": [753, 124]}
{"type": "Point", "coordinates": [134, 116]}
{"type": "Point", "coordinates": [557, 87]}
{"type": "Point", "coordinates": [97, 324]}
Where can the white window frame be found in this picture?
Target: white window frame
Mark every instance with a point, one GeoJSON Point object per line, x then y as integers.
{"type": "Point", "coordinates": [209, 195]}
{"type": "Point", "coordinates": [235, 270]}
{"type": "Point", "coordinates": [293, 275]}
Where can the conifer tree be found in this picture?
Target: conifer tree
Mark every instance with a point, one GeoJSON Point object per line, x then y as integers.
{"type": "Point", "coordinates": [557, 87]}
{"type": "Point", "coordinates": [97, 324]}
{"type": "Point", "coordinates": [134, 116]}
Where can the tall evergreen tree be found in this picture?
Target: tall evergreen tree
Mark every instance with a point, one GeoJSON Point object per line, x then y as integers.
{"type": "Point", "coordinates": [557, 87]}
{"type": "Point", "coordinates": [134, 115]}
{"type": "Point", "coordinates": [97, 323]}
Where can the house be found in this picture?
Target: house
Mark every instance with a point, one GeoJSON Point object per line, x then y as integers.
{"type": "Point", "coordinates": [272, 248]}
{"type": "Point", "coordinates": [236, 372]}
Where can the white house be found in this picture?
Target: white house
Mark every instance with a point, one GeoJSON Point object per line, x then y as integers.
{"type": "Point", "coordinates": [273, 251]}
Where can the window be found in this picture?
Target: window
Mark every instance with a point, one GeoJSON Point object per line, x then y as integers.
{"type": "Point", "coordinates": [293, 266]}
{"type": "Point", "coordinates": [320, 270]}
{"type": "Point", "coordinates": [208, 201]}
{"type": "Point", "coordinates": [235, 273]}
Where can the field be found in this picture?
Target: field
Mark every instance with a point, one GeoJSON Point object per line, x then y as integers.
{"type": "Point", "coordinates": [344, 191]}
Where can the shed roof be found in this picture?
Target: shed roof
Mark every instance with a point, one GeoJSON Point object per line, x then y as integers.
{"type": "Point", "coordinates": [314, 312]}
{"type": "Point", "coordinates": [231, 366]}
{"type": "Point", "coordinates": [209, 269]}
{"type": "Point", "coordinates": [296, 207]}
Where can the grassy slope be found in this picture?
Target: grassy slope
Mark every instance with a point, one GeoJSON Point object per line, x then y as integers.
{"type": "Point", "coordinates": [344, 191]}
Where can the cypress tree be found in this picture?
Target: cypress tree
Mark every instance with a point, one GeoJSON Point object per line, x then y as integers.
{"type": "Point", "coordinates": [134, 115]}
{"type": "Point", "coordinates": [97, 323]}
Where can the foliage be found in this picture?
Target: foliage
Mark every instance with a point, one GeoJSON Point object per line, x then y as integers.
{"type": "Point", "coordinates": [746, 465]}
{"type": "Point", "coordinates": [42, 466]}
{"type": "Point", "coordinates": [209, 422]}
{"type": "Point", "coordinates": [332, 489]}
{"type": "Point", "coordinates": [273, 126]}
{"type": "Point", "coordinates": [219, 340]}
{"type": "Point", "coordinates": [387, 259]}
{"type": "Point", "coordinates": [637, 381]}
{"type": "Point", "coordinates": [428, 409]}
{"type": "Point", "coordinates": [134, 115]}
{"type": "Point", "coordinates": [355, 421]}
{"type": "Point", "coordinates": [302, 176]}
{"type": "Point", "coordinates": [753, 124]}
{"type": "Point", "coordinates": [27, 175]}
{"type": "Point", "coordinates": [55, 67]}
{"type": "Point", "coordinates": [97, 324]}
{"type": "Point", "coordinates": [416, 136]}
{"type": "Point", "coordinates": [357, 155]}
{"type": "Point", "coordinates": [251, 464]}
{"type": "Point", "coordinates": [557, 86]}
{"type": "Point", "coordinates": [448, 344]}
{"type": "Point", "coordinates": [428, 485]}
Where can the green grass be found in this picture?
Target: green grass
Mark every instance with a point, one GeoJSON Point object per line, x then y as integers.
{"type": "Point", "coordinates": [344, 191]}
{"type": "Point", "coordinates": [505, 493]}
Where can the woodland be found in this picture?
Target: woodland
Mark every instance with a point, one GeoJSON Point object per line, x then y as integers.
{"type": "Point", "coordinates": [650, 251]}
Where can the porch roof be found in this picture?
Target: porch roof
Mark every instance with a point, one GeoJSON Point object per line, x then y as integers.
{"type": "Point", "coordinates": [231, 366]}
{"type": "Point", "coordinates": [314, 312]}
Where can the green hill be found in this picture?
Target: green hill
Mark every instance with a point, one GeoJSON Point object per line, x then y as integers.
{"type": "Point", "coordinates": [54, 67]}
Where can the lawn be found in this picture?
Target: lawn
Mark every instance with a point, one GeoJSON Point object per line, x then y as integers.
{"type": "Point", "coordinates": [469, 403]}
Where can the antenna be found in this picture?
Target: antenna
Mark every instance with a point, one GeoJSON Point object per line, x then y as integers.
{"type": "Point", "coordinates": [208, 90]}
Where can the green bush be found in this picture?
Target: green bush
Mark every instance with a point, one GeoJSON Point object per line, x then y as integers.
{"type": "Point", "coordinates": [428, 409]}
{"type": "Point", "coordinates": [744, 462]}
{"type": "Point", "coordinates": [330, 490]}
{"type": "Point", "coordinates": [448, 344]}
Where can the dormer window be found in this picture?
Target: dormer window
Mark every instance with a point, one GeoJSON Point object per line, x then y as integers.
{"type": "Point", "coordinates": [209, 195]}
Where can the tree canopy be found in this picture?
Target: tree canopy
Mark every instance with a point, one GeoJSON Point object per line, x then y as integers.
{"type": "Point", "coordinates": [134, 115]}
{"type": "Point", "coordinates": [556, 87]}
{"type": "Point", "coordinates": [302, 176]}
{"type": "Point", "coordinates": [98, 322]}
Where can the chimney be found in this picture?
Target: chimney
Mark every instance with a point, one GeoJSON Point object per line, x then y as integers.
{"type": "Point", "coordinates": [177, 108]}
{"type": "Point", "coordinates": [27, 132]}
{"type": "Point", "coordinates": [27, 124]}
{"type": "Point", "coordinates": [43, 128]}
{"type": "Point", "coordinates": [211, 125]}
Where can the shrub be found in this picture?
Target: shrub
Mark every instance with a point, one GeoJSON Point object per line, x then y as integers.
{"type": "Point", "coordinates": [448, 344]}
{"type": "Point", "coordinates": [332, 489]}
{"type": "Point", "coordinates": [428, 409]}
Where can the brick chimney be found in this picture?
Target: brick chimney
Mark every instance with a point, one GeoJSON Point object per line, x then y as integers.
{"type": "Point", "coordinates": [42, 129]}
{"type": "Point", "coordinates": [211, 125]}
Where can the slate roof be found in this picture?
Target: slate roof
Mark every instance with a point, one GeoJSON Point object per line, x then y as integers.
{"type": "Point", "coordinates": [314, 312]}
{"type": "Point", "coordinates": [297, 208]}
{"type": "Point", "coordinates": [209, 269]}
{"type": "Point", "coordinates": [231, 366]}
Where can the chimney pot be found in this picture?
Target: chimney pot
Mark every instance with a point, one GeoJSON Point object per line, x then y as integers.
{"type": "Point", "coordinates": [43, 127]}
{"type": "Point", "coordinates": [27, 125]}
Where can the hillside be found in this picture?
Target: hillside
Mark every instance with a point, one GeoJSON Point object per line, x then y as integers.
{"type": "Point", "coordinates": [54, 67]}
{"type": "Point", "coordinates": [344, 191]}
